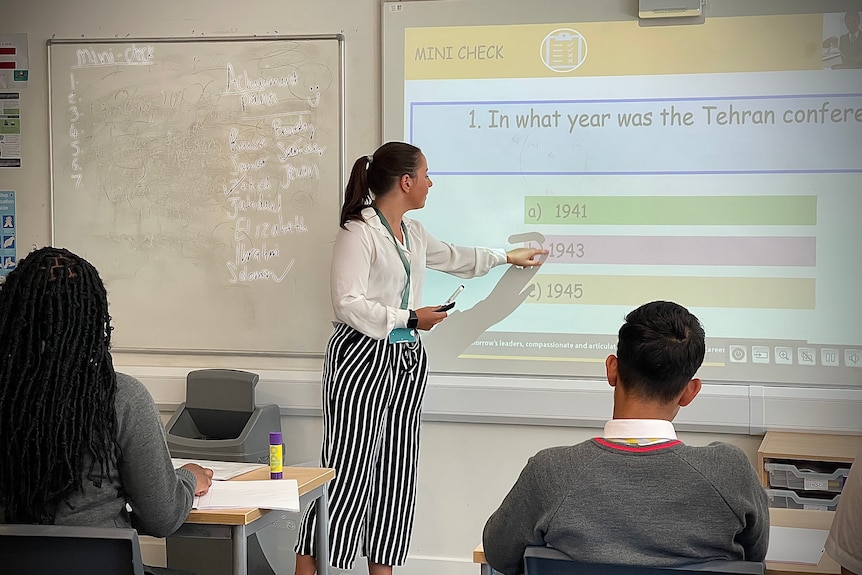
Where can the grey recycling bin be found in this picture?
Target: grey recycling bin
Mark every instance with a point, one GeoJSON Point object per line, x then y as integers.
{"type": "Point", "coordinates": [220, 421]}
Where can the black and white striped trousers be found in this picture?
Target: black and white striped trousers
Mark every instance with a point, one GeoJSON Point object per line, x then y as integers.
{"type": "Point", "coordinates": [372, 400]}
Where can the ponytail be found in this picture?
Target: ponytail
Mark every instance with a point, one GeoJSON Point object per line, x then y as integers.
{"type": "Point", "coordinates": [356, 195]}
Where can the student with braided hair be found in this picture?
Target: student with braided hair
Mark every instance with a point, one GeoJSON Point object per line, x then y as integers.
{"type": "Point", "coordinates": [79, 441]}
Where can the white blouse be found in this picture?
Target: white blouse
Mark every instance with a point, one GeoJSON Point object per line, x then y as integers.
{"type": "Point", "coordinates": [368, 277]}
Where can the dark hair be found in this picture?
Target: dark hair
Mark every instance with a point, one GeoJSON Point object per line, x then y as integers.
{"type": "Point", "coordinates": [661, 346]}
{"type": "Point", "coordinates": [378, 174]}
{"type": "Point", "coordinates": [57, 384]}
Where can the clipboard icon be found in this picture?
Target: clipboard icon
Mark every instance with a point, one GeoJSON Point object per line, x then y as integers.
{"type": "Point", "coordinates": [564, 50]}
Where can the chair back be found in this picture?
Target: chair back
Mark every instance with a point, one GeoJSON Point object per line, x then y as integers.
{"type": "Point", "coordinates": [549, 561]}
{"type": "Point", "coordinates": [39, 549]}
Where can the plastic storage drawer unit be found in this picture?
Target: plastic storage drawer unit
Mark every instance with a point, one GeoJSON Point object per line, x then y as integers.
{"type": "Point", "coordinates": [788, 476]}
{"type": "Point", "coordinates": [791, 500]}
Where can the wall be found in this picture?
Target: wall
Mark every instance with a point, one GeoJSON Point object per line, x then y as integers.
{"type": "Point", "coordinates": [466, 468]}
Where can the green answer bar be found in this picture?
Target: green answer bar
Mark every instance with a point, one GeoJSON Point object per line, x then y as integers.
{"type": "Point", "coordinates": [732, 292]}
{"type": "Point", "coordinates": [672, 210]}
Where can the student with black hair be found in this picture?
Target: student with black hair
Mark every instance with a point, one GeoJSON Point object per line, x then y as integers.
{"type": "Point", "coordinates": [79, 441]}
{"type": "Point", "coordinates": [637, 495]}
{"type": "Point", "coordinates": [375, 369]}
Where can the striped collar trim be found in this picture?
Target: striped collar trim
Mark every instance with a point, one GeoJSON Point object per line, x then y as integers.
{"type": "Point", "coordinates": [636, 448]}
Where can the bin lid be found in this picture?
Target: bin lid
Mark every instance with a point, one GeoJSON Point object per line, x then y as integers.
{"type": "Point", "coordinates": [224, 389]}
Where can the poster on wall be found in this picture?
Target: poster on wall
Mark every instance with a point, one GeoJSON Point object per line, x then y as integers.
{"type": "Point", "coordinates": [14, 61]}
{"type": "Point", "coordinates": [8, 235]}
{"type": "Point", "coordinates": [10, 130]}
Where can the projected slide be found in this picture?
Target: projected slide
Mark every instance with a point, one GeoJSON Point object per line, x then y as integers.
{"type": "Point", "coordinates": [718, 165]}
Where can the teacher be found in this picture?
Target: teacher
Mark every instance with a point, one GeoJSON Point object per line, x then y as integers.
{"type": "Point", "coordinates": [375, 369]}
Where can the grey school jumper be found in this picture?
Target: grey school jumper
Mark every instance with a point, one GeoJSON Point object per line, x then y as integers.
{"type": "Point", "coordinates": [662, 505]}
{"type": "Point", "coordinates": [160, 497]}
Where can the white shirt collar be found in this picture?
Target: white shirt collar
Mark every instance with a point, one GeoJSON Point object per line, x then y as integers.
{"type": "Point", "coordinates": [372, 219]}
{"type": "Point", "coordinates": [639, 428]}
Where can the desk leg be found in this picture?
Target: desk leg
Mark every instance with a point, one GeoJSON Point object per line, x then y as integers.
{"type": "Point", "coordinates": [321, 534]}
{"type": "Point", "coordinates": [239, 543]}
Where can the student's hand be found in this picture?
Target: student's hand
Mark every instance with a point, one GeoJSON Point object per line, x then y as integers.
{"type": "Point", "coordinates": [429, 317]}
{"type": "Point", "coordinates": [203, 477]}
{"type": "Point", "coordinates": [525, 257]}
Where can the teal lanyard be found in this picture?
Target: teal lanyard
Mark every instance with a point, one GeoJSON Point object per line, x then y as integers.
{"type": "Point", "coordinates": [406, 296]}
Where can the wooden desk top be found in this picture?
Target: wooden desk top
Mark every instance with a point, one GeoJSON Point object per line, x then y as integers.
{"type": "Point", "coordinates": [804, 518]}
{"type": "Point", "coordinates": [810, 446]}
{"type": "Point", "coordinates": [307, 478]}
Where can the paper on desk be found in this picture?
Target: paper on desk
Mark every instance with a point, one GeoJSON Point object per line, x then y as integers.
{"type": "Point", "coordinates": [266, 494]}
{"type": "Point", "coordinates": [222, 470]}
{"type": "Point", "coordinates": [796, 545]}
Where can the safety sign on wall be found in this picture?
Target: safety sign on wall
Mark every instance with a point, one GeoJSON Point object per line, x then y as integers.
{"type": "Point", "coordinates": [8, 236]}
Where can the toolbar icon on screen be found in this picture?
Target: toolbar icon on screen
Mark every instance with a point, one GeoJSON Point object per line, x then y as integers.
{"type": "Point", "coordinates": [829, 356]}
{"type": "Point", "coordinates": [806, 356]}
{"type": "Point", "coordinates": [738, 353]}
{"type": "Point", "coordinates": [784, 355]}
{"type": "Point", "coordinates": [759, 354]}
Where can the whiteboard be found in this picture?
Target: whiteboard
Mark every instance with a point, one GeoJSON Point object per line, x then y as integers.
{"type": "Point", "coordinates": [202, 178]}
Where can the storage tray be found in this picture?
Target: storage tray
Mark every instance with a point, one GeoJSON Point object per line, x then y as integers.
{"type": "Point", "coordinates": [792, 500]}
{"type": "Point", "coordinates": [784, 475]}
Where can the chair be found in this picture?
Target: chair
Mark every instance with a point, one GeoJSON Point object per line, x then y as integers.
{"type": "Point", "coordinates": [39, 549]}
{"type": "Point", "coordinates": [549, 561]}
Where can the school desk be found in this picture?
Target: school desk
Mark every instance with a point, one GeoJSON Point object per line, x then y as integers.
{"type": "Point", "coordinates": [803, 518]}
{"type": "Point", "coordinates": [238, 524]}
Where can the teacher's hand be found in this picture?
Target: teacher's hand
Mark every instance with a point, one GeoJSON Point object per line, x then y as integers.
{"type": "Point", "coordinates": [525, 257]}
{"type": "Point", "coordinates": [429, 317]}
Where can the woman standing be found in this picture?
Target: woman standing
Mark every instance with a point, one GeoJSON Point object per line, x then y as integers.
{"type": "Point", "coordinates": [375, 368]}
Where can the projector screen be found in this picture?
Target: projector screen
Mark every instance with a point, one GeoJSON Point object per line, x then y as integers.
{"type": "Point", "coordinates": [716, 164]}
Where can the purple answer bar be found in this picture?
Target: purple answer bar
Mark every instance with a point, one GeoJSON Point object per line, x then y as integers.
{"type": "Point", "coordinates": [684, 250]}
